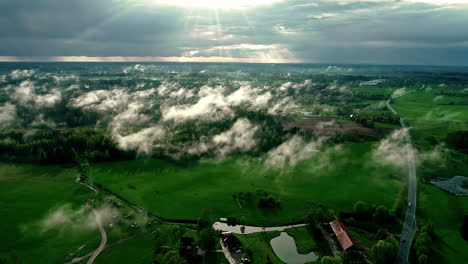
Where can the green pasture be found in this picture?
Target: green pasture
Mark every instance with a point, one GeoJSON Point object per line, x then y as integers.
{"type": "Point", "coordinates": [303, 238]}
{"type": "Point", "coordinates": [259, 244]}
{"type": "Point", "coordinates": [337, 179]}
{"type": "Point", "coordinates": [27, 194]}
{"type": "Point", "coordinates": [446, 212]}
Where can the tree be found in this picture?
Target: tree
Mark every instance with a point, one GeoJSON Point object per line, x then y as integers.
{"type": "Point", "coordinates": [204, 221]}
{"type": "Point", "coordinates": [231, 221]}
{"type": "Point", "coordinates": [381, 214]}
{"type": "Point", "coordinates": [360, 208]}
{"type": "Point", "coordinates": [208, 238]}
{"type": "Point", "coordinates": [384, 251]}
{"type": "Point", "coordinates": [84, 170]}
{"type": "Point", "coordinates": [381, 234]}
{"type": "Point", "coordinates": [422, 259]}
{"type": "Point", "coordinates": [319, 214]}
{"type": "Point", "coordinates": [329, 260]}
{"type": "Point", "coordinates": [464, 228]}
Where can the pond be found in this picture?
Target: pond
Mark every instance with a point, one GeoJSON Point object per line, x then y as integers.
{"type": "Point", "coordinates": [286, 250]}
{"type": "Point", "coordinates": [237, 229]}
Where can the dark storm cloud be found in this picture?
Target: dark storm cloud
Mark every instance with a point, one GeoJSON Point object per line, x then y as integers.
{"type": "Point", "coordinates": [346, 31]}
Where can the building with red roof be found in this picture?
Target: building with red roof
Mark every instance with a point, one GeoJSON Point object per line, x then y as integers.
{"type": "Point", "coordinates": [342, 234]}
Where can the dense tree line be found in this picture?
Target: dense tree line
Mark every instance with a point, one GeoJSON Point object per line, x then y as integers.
{"type": "Point", "coordinates": [423, 244]}
{"type": "Point", "coordinates": [58, 146]}
{"type": "Point", "coordinates": [458, 140]}
{"type": "Point", "coordinates": [464, 228]}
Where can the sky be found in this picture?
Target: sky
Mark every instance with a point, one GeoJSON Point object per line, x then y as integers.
{"type": "Point", "coordinates": [413, 32]}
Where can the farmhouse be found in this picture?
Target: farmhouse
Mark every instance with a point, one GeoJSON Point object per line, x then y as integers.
{"type": "Point", "coordinates": [342, 235]}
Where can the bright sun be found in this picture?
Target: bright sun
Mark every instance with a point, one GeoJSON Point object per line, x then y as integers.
{"type": "Point", "coordinates": [219, 4]}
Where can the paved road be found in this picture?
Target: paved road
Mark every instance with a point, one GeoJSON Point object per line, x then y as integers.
{"type": "Point", "coordinates": [227, 254]}
{"type": "Point", "coordinates": [102, 246]}
{"type": "Point", "coordinates": [409, 226]}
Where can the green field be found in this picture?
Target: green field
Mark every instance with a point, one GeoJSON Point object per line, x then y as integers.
{"type": "Point", "coordinates": [446, 212]}
{"type": "Point", "coordinates": [428, 115]}
{"type": "Point", "coordinates": [179, 192]}
{"type": "Point", "coordinates": [303, 238]}
{"type": "Point", "coordinates": [27, 194]}
{"type": "Point", "coordinates": [434, 115]}
{"type": "Point", "coordinates": [259, 243]}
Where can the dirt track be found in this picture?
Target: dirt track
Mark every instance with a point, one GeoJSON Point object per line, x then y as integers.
{"type": "Point", "coordinates": [330, 126]}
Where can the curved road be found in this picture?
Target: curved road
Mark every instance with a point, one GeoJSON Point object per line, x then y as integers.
{"type": "Point", "coordinates": [102, 246]}
{"type": "Point", "coordinates": [409, 226]}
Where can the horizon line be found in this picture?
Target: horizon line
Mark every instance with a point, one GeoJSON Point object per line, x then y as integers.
{"type": "Point", "coordinates": [214, 59]}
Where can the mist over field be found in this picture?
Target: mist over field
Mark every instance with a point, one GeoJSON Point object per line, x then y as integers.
{"type": "Point", "coordinates": [128, 146]}
{"type": "Point", "coordinates": [175, 109]}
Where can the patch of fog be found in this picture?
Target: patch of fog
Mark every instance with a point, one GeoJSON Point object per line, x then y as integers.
{"type": "Point", "coordinates": [24, 92]}
{"type": "Point", "coordinates": [41, 122]}
{"type": "Point", "coordinates": [65, 78]}
{"type": "Point", "coordinates": [214, 104]}
{"type": "Point", "coordinates": [334, 86]}
{"type": "Point", "coordinates": [208, 108]}
{"type": "Point", "coordinates": [135, 68]}
{"type": "Point", "coordinates": [143, 141]}
{"type": "Point", "coordinates": [398, 92]}
{"type": "Point", "coordinates": [292, 151]}
{"type": "Point", "coordinates": [109, 100]}
{"type": "Point", "coordinates": [240, 137]}
{"type": "Point", "coordinates": [48, 100]}
{"type": "Point", "coordinates": [391, 150]}
{"type": "Point", "coordinates": [101, 100]}
{"type": "Point", "coordinates": [21, 74]}
{"type": "Point", "coordinates": [287, 85]}
{"type": "Point", "coordinates": [129, 117]}
{"type": "Point", "coordinates": [72, 87]}
{"type": "Point", "coordinates": [7, 114]}
{"type": "Point", "coordinates": [66, 218]}
{"type": "Point", "coordinates": [283, 106]}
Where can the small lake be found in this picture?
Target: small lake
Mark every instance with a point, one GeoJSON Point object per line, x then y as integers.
{"type": "Point", "coordinates": [250, 229]}
{"type": "Point", "coordinates": [285, 248]}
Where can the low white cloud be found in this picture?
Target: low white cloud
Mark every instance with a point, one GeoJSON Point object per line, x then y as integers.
{"type": "Point", "coordinates": [21, 74]}
{"type": "Point", "coordinates": [66, 218]}
{"type": "Point", "coordinates": [392, 150]}
{"type": "Point", "coordinates": [239, 138]}
{"type": "Point", "coordinates": [24, 92]}
{"type": "Point", "coordinates": [282, 106]}
{"type": "Point", "coordinates": [101, 100]}
{"type": "Point", "coordinates": [41, 122]}
{"type": "Point", "coordinates": [292, 151]}
{"type": "Point", "coordinates": [48, 100]}
{"type": "Point", "coordinates": [214, 105]}
{"type": "Point", "coordinates": [143, 141]}
{"type": "Point", "coordinates": [7, 114]}
{"type": "Point", "coordinates": [399, 92]}
{"type": "Point", "coordinates": [109, 100]}
{"type": "Point", "coordinates": [65, 78]}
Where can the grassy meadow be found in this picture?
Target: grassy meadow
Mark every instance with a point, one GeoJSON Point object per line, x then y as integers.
{"type": "Point", "coordinates": [337, 179]}
{"type": "Point", "coordinates": [430, 114]}
{"type": "Point", "coordinates": [27, 194]}
{"type": "Point", "coordinates": [446, 212]}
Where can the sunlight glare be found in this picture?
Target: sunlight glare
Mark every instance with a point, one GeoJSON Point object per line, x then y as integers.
{"type": "Point", "coordinates": [215, 4]}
